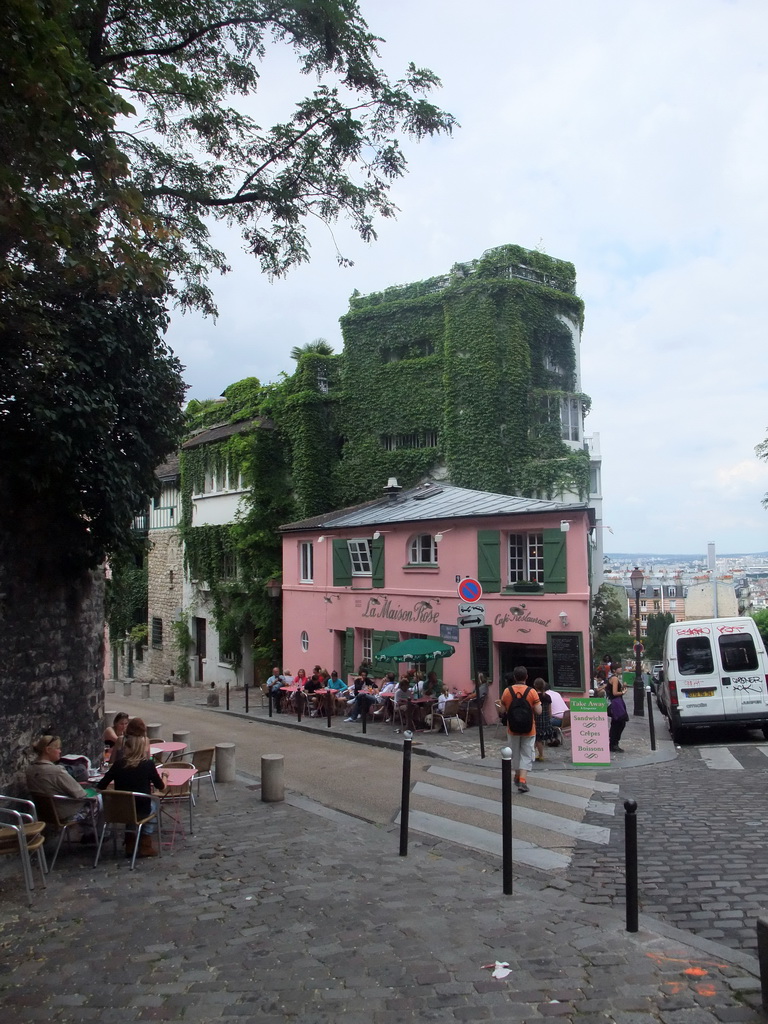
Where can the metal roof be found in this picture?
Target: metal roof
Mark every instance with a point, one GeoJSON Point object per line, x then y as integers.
{"type": "Point", "coordinates": [429, 502]}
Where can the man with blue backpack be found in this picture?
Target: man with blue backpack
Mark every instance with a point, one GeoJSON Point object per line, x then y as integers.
{"type": "Point", "coordinates": [521, 705]}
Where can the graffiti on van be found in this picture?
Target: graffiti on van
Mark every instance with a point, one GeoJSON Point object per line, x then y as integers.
{"type": "Point", "coordinates": [730, 629]}
{"type": "Point", "coordinates": [693, 631]}
{"type": "Point", "coordinates": [747, 684]}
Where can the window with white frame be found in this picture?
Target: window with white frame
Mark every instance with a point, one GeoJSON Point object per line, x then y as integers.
{"type": "Point", "coordinates": [526, 557]}
{"type": "Point", "coordinates": [366, 636]}
{"type": "Point", "coordinates": [305, 640]}
{"type": "Point", "coordinates": [570, 418]}
{"type": "Point", "coordinates": [673, 606]}
{"type": "Point", "coordinates": [360, 557]}
{"type": "Point", "coordinates": [423, 550]}
{"type": "Point", "coordinates": [672, 592]}
{"type": "Point", "coordinates": [306, 560]}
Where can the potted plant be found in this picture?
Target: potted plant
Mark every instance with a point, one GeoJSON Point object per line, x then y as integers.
{"type": "Point", "coordinates": [526, 587]}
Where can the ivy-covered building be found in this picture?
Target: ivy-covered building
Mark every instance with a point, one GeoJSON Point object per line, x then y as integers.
{"type": "Point", "coordinates": [474, 375]}
{"type": "Point", "coordinates": [471, 378]}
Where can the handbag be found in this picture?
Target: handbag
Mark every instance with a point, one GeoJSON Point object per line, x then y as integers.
{"type": "Point", "coordinates": [617, 710]}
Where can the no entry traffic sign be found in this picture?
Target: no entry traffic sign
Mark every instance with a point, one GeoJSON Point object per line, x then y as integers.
{"type": "Point", "coordinates": [469, 590]}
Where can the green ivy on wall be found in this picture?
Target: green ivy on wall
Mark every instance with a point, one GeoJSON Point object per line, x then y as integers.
{"type": "Point", "coordinates": [481, 357]}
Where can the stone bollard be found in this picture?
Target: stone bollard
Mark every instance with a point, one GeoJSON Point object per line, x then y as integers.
{"type": "Point", "coordinates": [212, 700]}
{"type": "Point", "coordinates": [154, 730]}
{"type": "Point", "coordinates": [168, 693]}
{"type": "Point", "coordinates": [109, 685]}
{"type": "Point", "coordinates": [145, 691]}
{"type": "Point", "coordinates": [272, 778]}
{"type": "Point", "coordinates": [183, 737]}
{"type": "Point", "coordinates": [126, 687]}
{"type": "Point", "coordinates": [225, 762]}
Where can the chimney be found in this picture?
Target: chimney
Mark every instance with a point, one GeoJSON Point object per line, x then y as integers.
{"type": "Point", "coordinates": [392, 488]}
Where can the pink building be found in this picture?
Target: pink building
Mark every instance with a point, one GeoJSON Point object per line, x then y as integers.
{"type": "Point", "coordinates": [362, 578]}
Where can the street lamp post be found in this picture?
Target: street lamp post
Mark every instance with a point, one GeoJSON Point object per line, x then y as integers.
{"type": "Point", "coordinates": [274, 588]}
{"type": "Point", "coordinates": [638, 690]}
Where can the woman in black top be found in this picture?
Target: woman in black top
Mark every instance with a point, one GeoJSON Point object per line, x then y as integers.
{"type": "Point", "coordinates": [136, 772]}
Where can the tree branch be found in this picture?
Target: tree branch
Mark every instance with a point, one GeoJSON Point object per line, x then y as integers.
{"type": "Point", "coordinates": [165, 51]}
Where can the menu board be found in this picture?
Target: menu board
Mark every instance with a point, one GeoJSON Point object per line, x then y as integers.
{"type": "Point", "coordinates": [565, 661]}
{"type": "Point", "coordinates": [480, 638]}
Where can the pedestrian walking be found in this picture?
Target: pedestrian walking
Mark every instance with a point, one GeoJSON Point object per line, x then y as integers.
{"type": "Point", "coordinates": [522, 706]}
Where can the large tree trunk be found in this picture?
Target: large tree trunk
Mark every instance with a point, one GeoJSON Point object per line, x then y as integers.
{"type": "Point", "coordinates": [51, 653]}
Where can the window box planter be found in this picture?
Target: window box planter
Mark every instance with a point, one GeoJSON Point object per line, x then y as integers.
{"type": "Point", "coordinates": [526, 587]}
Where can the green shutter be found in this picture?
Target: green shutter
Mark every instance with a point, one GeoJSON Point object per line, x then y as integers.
{"type": "Point", "coordinates": [379, 640]}
{"type": "Point", "coordinates": [349, 654]}
{"type": "Point", "coordinates": [377, 561]}
{"type": "Point", "coordinates": [488, 560]}
{"type": "Point", "coordinates": [342, 564]}
{"type": "Point", "coordinates": [555, 573]}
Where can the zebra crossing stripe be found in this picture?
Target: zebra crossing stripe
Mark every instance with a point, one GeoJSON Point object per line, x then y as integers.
{"type": "Point", "coordinates": [526, 815]}
{"type": "Point", "coordinates": [553, 796]}
{"type": "Point", "coordinates": [720, 759]}
{"type": "Point", "coordinates": [484, 841]}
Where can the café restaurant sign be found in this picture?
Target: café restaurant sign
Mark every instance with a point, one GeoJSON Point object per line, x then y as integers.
{"type": "Point", "coordinates": [385, 609]}
{"type": "Point", "coordinates": [519, 613]}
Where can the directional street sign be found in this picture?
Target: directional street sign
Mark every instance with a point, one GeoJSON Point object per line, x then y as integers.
{"type": "Point", "coordinates": [470, 590]}
{"type": "Point", "coordinates": [467, 621]}
{"type": "Point", "coordinates": [471, 609]}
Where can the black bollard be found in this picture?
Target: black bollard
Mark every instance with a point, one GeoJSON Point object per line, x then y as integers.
{"type": "Point", "coordinates": [405, 795]}
{"type": "Point", "coordinates": [269, 701]}
{"type": "Point", "coordinates": [246, 698]}
{"type": "Point", "coordinates": [480, 726]}
{"type": "Point", "coordinates": [329, 706]}
{"type": "Point", "coordinates": [299, 702]}
{"type": "Point", "coordinates": [365, 717]}
{"type": "Point", "coordinates": [506, 820]}
{"type": "Point", "coordinates": [762, 958]}
{"type": "Point", "coordinates": [651, 723]}
{"type": "Point", "coordinates": [227, 695]}
{"type": "Point", "coordinates": [630, 868]}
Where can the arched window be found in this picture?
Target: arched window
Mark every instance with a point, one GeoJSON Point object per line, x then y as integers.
{"type": "Point", "coordinates": [423, 550]}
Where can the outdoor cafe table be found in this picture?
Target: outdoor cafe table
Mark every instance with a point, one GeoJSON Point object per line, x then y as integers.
{"type": "Point", "coordinates": [175, 777]}
{"type": "Point", "coordinates": [167, 749]}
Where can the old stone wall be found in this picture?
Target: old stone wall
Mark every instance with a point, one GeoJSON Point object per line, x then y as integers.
{"type": "Point", "coordinates": [51, 670]}
{"type": "Point", "coordinates": [164, 600]}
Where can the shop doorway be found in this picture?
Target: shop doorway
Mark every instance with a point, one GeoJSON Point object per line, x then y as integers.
{"type": "Point", "coordinates": [530, 656]}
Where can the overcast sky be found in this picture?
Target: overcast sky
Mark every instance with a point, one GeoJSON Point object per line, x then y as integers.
{"type": "Point", "coordinates": [627, 136]}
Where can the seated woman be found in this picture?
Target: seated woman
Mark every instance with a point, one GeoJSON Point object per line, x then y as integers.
{"type": "Point", "coordinates": [134, 770]}
{"type": "Point", "coordinates": [339, 691]}
{"type": "Point", "coordinates": [385, 697]}
{"type": "Point", "coordinates": [470, 701]}
{"type": "Point", "coordinates": [365, 690]}
{"type": "Point", "coordinates": [46, 776]}
{"type": "Point", "coordinates": [135, 727]}
{"type": "Point", "coordinates": [115, 731]}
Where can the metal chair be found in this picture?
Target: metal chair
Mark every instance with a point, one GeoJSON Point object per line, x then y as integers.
{"type": "Point", "coordinates": [203, 761]}
{"type": "Point", "coordinates": [48, 806]}
{"type": "Point", "coordinates": [21, 833]}
{"type": "Point", "coordinates": [449, 713]}
{"type": "Point", "coordinates": [119, 806]}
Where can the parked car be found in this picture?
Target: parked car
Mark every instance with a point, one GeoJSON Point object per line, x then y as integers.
{"type": "Point", "coordinates": [657, 673]}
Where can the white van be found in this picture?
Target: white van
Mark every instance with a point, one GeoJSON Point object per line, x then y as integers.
{"type": "Point", "coordinates": [715, 672]}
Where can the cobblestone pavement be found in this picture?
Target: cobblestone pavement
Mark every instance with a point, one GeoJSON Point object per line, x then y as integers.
{"type": "Point", "coordinates": [295, 912]}
{"type": "Point", "coordinates": [701, 847]}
